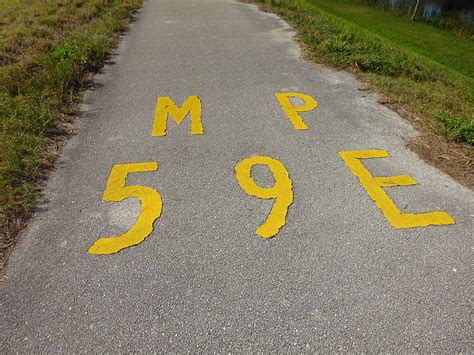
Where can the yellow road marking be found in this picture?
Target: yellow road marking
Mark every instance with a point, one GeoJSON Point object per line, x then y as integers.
{"type": "Point", "coordinates": [292, 111]}
{"type": "Point", "coordinates": [151, 207]}
{"type": "Point", "coordinates": [165, 107]}
{"type": "Point", "coordinates": [374, 187]}
{"type": "Point", "coordinates": [281, 191]}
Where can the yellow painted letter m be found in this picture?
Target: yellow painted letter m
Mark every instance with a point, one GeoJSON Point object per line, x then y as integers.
{"type": "Point", "coordinates": [165, 106]}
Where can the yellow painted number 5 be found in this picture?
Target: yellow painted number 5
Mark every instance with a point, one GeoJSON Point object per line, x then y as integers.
{"type": "Point", "coordinates": [151, 206]}
{"type": "Point", "coordinates": [282, 191]}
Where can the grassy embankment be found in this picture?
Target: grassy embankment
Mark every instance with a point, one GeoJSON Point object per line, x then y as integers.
{"type": "Point", "coordinates": [425, 73]}
{"type": "Point", "coordinates": [48, 48]}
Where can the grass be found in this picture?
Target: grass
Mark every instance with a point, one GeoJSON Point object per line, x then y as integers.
{"type": "Point", "coordinates": [423, 69]}
{"type": "Point", "coordinates": [48, 49]}
{"type": "Point", "coordinates": [457, 129]}
{"type": "Point", "coordinates": [439, 45]}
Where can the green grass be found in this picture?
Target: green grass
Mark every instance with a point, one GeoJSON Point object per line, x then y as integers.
{"type": "Point", "coordinates": [417, 66]}
{"type": "Point", "coordinates": [457, 129]}
{"type": "Point", "coordinates": [439, 45]}
{"type": "Point", "coordinates": [47, 50]}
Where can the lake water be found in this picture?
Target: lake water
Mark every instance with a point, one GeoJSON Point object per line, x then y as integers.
{"type": "Point", "coordinates": [435, 9]}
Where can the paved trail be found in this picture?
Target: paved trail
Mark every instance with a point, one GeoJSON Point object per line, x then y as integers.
{"type": "Point", "coordinates": [337, 276]}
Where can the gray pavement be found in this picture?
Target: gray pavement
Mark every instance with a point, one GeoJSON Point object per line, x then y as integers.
{"type": "Point", "coordinates": [337, 277]}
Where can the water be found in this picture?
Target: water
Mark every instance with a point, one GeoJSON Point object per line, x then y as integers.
{"type": "Point", "coordinates": [436, 9]}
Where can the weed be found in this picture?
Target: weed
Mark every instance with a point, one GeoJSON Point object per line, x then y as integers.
{"type": "Point", "coordinates": [458, 128]}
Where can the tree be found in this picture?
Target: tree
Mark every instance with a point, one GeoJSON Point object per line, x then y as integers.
{"type": "Point", "coordinates": [415, 10]}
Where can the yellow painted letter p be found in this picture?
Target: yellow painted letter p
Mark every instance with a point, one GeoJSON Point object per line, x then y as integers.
{"type": "Point", "coordinates": [292, 110]}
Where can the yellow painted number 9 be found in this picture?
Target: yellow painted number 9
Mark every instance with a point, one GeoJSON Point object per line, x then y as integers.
{"type": "Point", "coordinates": [281, 191]}
{"type": "Point", "coordinates": [151, 206]}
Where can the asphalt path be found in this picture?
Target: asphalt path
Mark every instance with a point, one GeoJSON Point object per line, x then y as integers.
{"type": "Point", "coordinates": [337, 276]}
